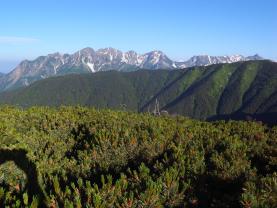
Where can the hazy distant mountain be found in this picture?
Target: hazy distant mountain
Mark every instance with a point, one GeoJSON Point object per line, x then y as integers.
{"type": "Point", "coordinates": [88, 60]}
{"type": "Point", "coordinates": [199, 92]}
{"type": "Point", "coordinates": [205, 60]}
{"type": "Point", "coordinates": [255, 57]}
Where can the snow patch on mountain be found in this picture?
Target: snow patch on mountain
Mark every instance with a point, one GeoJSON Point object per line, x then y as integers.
{"type": "Point", "coordinates": [91, 67]}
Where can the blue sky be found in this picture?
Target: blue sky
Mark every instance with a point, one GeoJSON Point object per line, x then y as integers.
{"type": "Point", "coordinates": [180, 28]}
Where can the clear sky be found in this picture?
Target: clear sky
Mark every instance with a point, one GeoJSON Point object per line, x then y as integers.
{"type": "Point", "coordinates": [180, 28]}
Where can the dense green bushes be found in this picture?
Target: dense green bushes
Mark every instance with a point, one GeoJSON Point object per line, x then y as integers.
{"type": "Point", "coordinates": [88, 158]}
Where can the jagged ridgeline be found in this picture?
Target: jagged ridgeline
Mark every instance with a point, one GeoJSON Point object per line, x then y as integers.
{"type": "Point", "coordinates": [82, 157]}
{"type": "Point", "coordinates": [88, 60]}
{"type": "Point", "coordinates": [209, 92]}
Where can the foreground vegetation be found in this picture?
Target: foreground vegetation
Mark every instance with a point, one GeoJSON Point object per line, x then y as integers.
{"type": "Point", "coordinates": [82, 157]}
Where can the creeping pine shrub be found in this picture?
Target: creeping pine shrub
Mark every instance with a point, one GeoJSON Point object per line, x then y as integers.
{"type": "Point", "coordinates": [84, 157]}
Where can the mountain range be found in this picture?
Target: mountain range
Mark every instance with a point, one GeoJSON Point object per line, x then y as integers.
{"type": "Point", "coordinates": [203, 92]}
{"type": "Point", "coordinates": [88, 60]}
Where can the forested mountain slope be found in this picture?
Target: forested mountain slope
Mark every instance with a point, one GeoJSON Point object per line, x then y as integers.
{"type": "Point", "coordinates": [214, 91]}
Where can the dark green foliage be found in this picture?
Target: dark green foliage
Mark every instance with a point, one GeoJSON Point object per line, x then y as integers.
{"type": "Point", "coordinates": [82, 157]}
{"type": "Point", "coordinates": [239, 91]}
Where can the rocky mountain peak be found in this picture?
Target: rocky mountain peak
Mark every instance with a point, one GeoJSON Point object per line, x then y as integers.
{"type": "Point", "coordinates": [88, 60]}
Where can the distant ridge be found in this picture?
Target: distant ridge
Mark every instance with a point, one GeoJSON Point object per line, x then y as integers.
{"type": "Point", "coordinates": [88, 60]}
